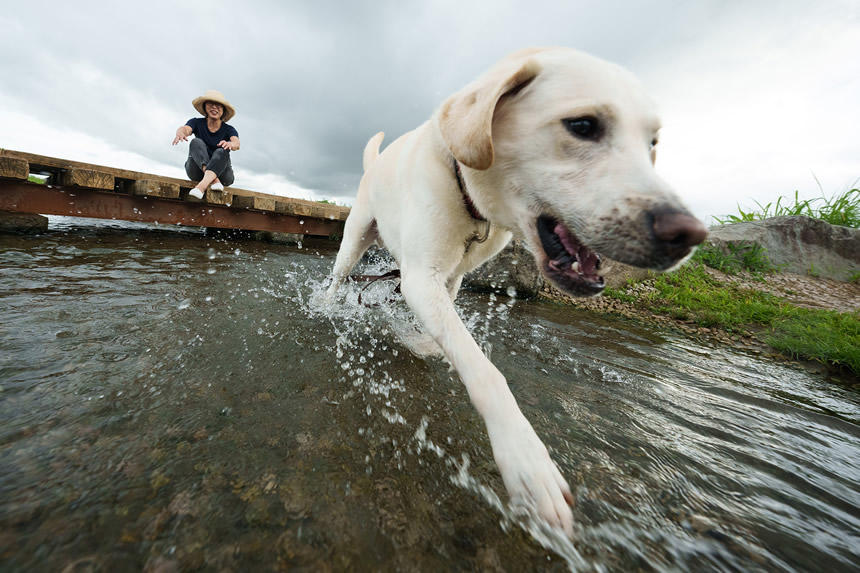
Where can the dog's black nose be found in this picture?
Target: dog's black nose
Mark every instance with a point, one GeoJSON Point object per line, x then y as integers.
{"type": "Point", "coordinates": [678, 232]}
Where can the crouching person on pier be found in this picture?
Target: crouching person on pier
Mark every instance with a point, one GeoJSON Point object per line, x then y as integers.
{"type": "Point", "coordinates": [209, 152]}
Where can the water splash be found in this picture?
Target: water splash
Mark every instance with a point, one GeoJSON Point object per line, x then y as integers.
{"type": "Point", "coordinates": [353, 321]}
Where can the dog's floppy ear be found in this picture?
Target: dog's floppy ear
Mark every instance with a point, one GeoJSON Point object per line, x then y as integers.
{"type": "Point", "coordinates": [466, 118]}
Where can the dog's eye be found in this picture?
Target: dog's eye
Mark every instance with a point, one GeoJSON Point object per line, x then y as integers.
{"type": "Point", "coordinates": [587, 127]}
{"type": "Point", "coordinates": [654, 143]}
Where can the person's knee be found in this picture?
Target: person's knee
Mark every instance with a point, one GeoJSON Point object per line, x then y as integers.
{"type": "Point", "coordinates": [197, 144]}
{"type": "Point", "coordinates": [220, 154]}
{"type": "Point", "coordinates": [192, 170]}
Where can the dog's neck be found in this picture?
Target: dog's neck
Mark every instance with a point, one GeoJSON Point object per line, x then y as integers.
{"type": "Point", "coordinates": [467, 201]}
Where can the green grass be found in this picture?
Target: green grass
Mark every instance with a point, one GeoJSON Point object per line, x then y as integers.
{"type": "Point", "coordinates": [620, 294]}
{"type": "Point", "coordinates": [692, 294]}
{"type": "Point", "coordinates": [37, 179]}
{"type": "Point", "coordinates": [742, 256]}
{"type": "Point", "coordinates": [330, 202]}
{"type": "Point", "coordinates": [842, 209]}
{"type": "Point", "coordinates": [828, 336]}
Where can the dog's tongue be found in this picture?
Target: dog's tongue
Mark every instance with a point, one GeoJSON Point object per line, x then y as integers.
{"type": "Point", "coordinates": [588, 261]}
{"type": "Point", "coordinates": [571, 245]}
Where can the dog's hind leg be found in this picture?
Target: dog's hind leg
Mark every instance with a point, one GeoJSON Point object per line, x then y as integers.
{"type": "Point", "coordinates": [360, 230]}
{"type": "Point", "coordinates": [358, 234]}
{"type": "Point", "coordinates": [453, 286]}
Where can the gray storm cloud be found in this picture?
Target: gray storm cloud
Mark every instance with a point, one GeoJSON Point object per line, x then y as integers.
{"type": "Point", "coordinates": [313, 81]}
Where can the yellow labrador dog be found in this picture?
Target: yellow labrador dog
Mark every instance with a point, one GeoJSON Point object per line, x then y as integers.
{"type": "Point", "coordinates": [550, 145]}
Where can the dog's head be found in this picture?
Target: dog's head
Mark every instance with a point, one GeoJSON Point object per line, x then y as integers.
{"type": "Point", "coordinates": [561, 149]}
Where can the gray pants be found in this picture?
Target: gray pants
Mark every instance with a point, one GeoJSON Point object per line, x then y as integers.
{"type": "Point", "coordinates": [198, 158]}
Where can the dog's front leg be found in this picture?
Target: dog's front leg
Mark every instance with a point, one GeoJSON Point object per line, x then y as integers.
{"type": "Point", "coordinates": [529, 474]}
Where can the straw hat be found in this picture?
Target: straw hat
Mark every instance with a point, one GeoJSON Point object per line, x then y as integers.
{"type": "Point", "coordinates": [216, 96]}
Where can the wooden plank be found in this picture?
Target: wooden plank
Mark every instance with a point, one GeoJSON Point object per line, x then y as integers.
{"type": "Point", "coordinates": [329, 212]}
{"type": "Point", "coordinates": [264, 203]}
{"type": "Point", "coordinates": [218, 197]}
{"type": "Point", "coordinates": [243, 201]}
{"type": "Point", "coordinates": [14, 168]}
{"type": "Point", "coordinates": [311, 209]}
{"type": "Point", "coordinates": [294, 208]}
{"type": "Point", "coordinates": [253, 202]}
{"type": "Point", "coordinates": [155, 188]}
{"type": "Point", "coordinates": [88, 178]}
{"type": "Point", "coordinates": [319, 211]}
{"type": "Point", "coordinates": [58, 163]}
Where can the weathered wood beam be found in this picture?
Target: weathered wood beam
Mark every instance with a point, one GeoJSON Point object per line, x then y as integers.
{"type": "Point", "coordinates": [88, 178]}
{"type": "Point", "coordinates": [155, 188]}
{"type": "Point", "coordinates": [299, 206]}
{"type": "Point", "coordinates": [14, 168]}
{"type": "Point", "coordinates": [259, 203]}
{"type": "Point", "coordinates": [219, 197]}
{"type": "Point", "coordinates": [23, 197]}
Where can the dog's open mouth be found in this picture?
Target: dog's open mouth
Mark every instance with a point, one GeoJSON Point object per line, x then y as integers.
{"type": "Point", "coordinates": [570, 265]}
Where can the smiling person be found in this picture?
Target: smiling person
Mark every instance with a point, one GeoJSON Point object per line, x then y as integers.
{"type": "Point", "coordinates": [209, 152]}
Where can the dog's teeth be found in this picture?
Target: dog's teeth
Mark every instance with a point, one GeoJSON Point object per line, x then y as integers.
{"type": "Point", "coordinates": [575, 266]}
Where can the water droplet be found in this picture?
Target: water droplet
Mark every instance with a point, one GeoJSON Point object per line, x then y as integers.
{"type": "Point", "coordinates": [210, 271]}
{"type": "Point", "coordinates": [512, 292]}
{"type": "Point", "coordinates": [184, 304]}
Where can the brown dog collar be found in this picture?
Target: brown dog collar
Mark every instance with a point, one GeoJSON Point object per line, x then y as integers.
{"type": "Point", "coordinates": [470, 206]}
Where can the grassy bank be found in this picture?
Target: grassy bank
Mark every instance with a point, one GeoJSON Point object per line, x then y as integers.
{"type": "Point", "coordinates": [712, 300]}
{"type": "Point", "coordinates": [694, 295]}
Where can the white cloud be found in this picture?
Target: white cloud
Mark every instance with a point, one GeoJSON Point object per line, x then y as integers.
{"type": "Point", "coordinates": [755, 96]}
{"type": "Point", "coordinates": [23, 132]}
{"type": "Point", "coordinates": [752, 114]}
{"type": "Point", "coordinates": [275, 184]}
{"type": "Point", "coordinates": [29, 134]}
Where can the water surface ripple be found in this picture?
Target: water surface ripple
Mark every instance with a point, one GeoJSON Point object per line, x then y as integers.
{"type": "Point", "coordinates": [184, 399]}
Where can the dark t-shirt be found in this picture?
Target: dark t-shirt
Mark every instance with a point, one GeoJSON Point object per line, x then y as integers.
{"type": "Point", "coordinates": [201, 131]}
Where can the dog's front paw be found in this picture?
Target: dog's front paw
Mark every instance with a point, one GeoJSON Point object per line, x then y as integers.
{"type": "Point", "coordinates": [530, 476]}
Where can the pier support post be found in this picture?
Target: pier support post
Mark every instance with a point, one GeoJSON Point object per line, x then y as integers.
{"type": "Point", "coordinates": [11, 222]}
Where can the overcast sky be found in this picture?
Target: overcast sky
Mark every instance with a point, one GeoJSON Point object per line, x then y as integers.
{"type": "Point", "coordinates": [758, 98]}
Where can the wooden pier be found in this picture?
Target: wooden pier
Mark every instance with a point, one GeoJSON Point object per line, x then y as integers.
{"type": "Point", "coordinates": [84, 190]}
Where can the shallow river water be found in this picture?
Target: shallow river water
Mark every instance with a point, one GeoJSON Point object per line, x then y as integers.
{"type": "Point", "coordinates": [182, 401]}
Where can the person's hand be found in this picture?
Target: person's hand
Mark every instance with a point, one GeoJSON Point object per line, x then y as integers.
{"type": "Point", "coordinates": [226, 145]}
{"type": "Point", "coordinates": [180, 136]}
